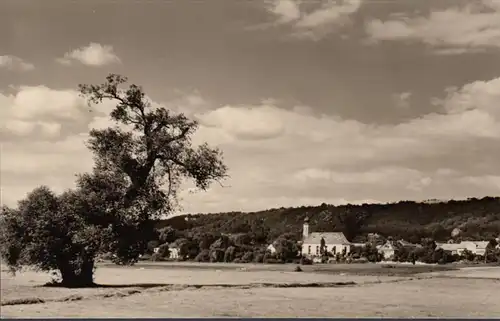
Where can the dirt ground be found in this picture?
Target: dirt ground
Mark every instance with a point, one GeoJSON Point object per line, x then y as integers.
{"type": "Point", "coordinates": [247, 291]}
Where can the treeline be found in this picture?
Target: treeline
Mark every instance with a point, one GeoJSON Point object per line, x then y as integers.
{"type": "Point", "coordinates": [477, 219]}
{"type": "Point", "coordinates": [243, 248]}
{"type": "Point", "coordinates": [244, 237]}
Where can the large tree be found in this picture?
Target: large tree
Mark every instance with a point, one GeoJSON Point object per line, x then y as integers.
{"type": "Point", "coordinates": [140, 162]}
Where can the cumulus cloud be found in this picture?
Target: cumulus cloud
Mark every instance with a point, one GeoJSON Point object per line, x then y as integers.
{"type": "Point", "coordinates": [15, 63]}
{"type": "Point", "coordinates": [456, 30]}
{"type": "Point", "coordinates": [38, 112]}
{"type": "Point", "coordinates": [279, 157]}
{"type": "Point", "coordinates": [313, 23]}
{"type": "Point", "coordinates": [94, 55]}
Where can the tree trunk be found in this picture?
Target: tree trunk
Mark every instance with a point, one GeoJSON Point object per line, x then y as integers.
{"type": "Point", "coordinates": [78, 279]}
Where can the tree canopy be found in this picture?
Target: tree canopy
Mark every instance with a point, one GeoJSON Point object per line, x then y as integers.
{"type": "Point", "coordinates": [140, 162]}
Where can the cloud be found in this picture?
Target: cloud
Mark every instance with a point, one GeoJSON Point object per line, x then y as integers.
{"type": "Point", "coordinates": [286, 10]}
{"type": "Point", "coordinates": [312, 23]}
{"type": "Point", "coordinates": [402, 100]}
{"type": "Point", "coordinates": [456, 30]}
{"type": "Point", "coordinates": [38, 112]}
{"type": "Point", "coordinates": [94, 55]}
{"type": "Point", "coordinates": [15, 63]}
{"type": "Point", "coordinates": [278, 157]}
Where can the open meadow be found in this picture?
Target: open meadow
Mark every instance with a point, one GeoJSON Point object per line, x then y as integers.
{"type": "Point", "coordinates": [232, 290]}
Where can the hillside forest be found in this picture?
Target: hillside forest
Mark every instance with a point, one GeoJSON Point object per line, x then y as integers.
{"type": "Point", "coordinates": [245, 236]}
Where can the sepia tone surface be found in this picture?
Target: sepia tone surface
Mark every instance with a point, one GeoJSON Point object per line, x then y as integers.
{"type": "Point", "coordinates": [184, 291]}
{"type": "Point", "coordinates": [311, 101]}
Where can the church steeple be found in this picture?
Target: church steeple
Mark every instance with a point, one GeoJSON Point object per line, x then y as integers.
{"type": "Point", "coordinates": [305, 228]}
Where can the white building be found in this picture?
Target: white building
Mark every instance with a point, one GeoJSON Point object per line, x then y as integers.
{"type": "Point", "coordinates": [335, 242]}
{"type": "Point", "coordinates": [387, 250]}
{"type": "Point", "coordinates": [271, 248]}
{"type": "Point", "coordinates": [173, 251]}
{"type": "Point", "coordinates": [475, 247]}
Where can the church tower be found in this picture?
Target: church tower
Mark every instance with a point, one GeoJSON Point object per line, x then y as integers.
{"type": "Point", "coordinates": [305, 228]}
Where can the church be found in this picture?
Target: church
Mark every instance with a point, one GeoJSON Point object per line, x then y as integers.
{"type": "Point", "coordinates": [335, 242]}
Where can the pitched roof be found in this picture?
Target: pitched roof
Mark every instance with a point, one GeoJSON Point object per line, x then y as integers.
{"type": "Point", "coordinates": [387, 246]}
{"type": "Point", "coordinates": [330, 238]}
{"type": "Point", "coordinates": [482, 244]}
{"type": "Point", "coordinates": [405, 243]}
{"type": "Point", "coordinates": [450, 246]}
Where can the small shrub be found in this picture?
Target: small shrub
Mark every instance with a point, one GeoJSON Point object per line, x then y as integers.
{"type": "Point", "coordinates": [305, 261]}
{"type": "Point", "coordinates": [145, 257]}
{"type": "Point", "coordinates": [272, 260]}
{"type": "Point", "coordinates": [106, 256]}
{"type": "Point", "coordinates": [247, 257]}
{"type": "Point", "coordinates": [258, 258]}
{"type": "Point", "coordinates": [157, 258]}
{"type": "Point", "coordinates": [203, 256]}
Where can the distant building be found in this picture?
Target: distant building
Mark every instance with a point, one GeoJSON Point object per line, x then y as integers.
{"type": "Point", "coordinates": [173, 251]}
{"type": "Point", "coordinates": [453, 248]}
{"type": "Point", "coordinates": [388, 249]}
{"type": "Point", "coordinates": [271, 248]}
{"type": "Point", "coordinates": [335, 242]}
{"type": "Point", "coordinates": [475, 247]}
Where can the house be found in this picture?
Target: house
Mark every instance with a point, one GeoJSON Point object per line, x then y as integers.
{"type": "Point", "coordinates": [271, 248]}
{"type": "Point", "coordinates": [475, 247]}
{"type": "Point", "coordinates": [387, 250]}
{"type": "Point", "coordinates": [335, 242]}
{"type": "Point", "coordinates": [173, 251]}
{"type": "Point", "coordinates": [453, 248]}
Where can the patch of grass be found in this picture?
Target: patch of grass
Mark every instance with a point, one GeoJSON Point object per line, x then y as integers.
{"type": "Point", "coordinates": [23, 301]}
{"type": "Point", "coordinates": [70, 298]}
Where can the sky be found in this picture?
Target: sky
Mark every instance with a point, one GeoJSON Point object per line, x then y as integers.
{"type": "Point", "coordinates": [311, 101]}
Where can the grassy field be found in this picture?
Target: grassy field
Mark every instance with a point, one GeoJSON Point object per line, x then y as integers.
{"type": "Point", "coordinates": [218, 290]}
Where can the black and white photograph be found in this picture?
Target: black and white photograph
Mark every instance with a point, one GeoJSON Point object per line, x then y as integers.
{"type": "Point", "coordinates": [250, 158]}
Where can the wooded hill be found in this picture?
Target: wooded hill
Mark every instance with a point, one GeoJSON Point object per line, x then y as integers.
{"type": "Point", "coordinates": [412, 221]}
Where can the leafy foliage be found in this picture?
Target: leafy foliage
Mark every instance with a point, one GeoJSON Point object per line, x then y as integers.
{"type": "Point", "coordinates": [411, 221]}
{"type": "Point", "coordinates": [139, 165]}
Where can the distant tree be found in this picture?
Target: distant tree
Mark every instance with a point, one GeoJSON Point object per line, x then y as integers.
{"type": "Point", "coordinates": [152, 245]}
{"type": "Point", "coordinates": [229, 254]}
{"type": "Point", "coordinates": [164, 251]}
{"type": "Point", "coordinates": [491, 252]}
{"type": "Point", "coordinates": [322, 246]}
{"type": "Point", "coordinates": [138, 167]}
{"type": "Point", "coordinates": [401, 254]}
{"type": "Point", "coordinates": [167, 234]}
{"type": "Point", "coordinates": [467, 255]}
{"type": "Point", "coordinates": [287, 247]}
{"type": "Point", "coordinates": [205, 239]}
{"type": "Point", "coordinates": [428, 243]}
{"type": "Point", "coordinates": [203, 256]}
{"type": "Point", "coordinates": [247, 257]}
{"type": "Point", "coordinates": [370, 252]}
